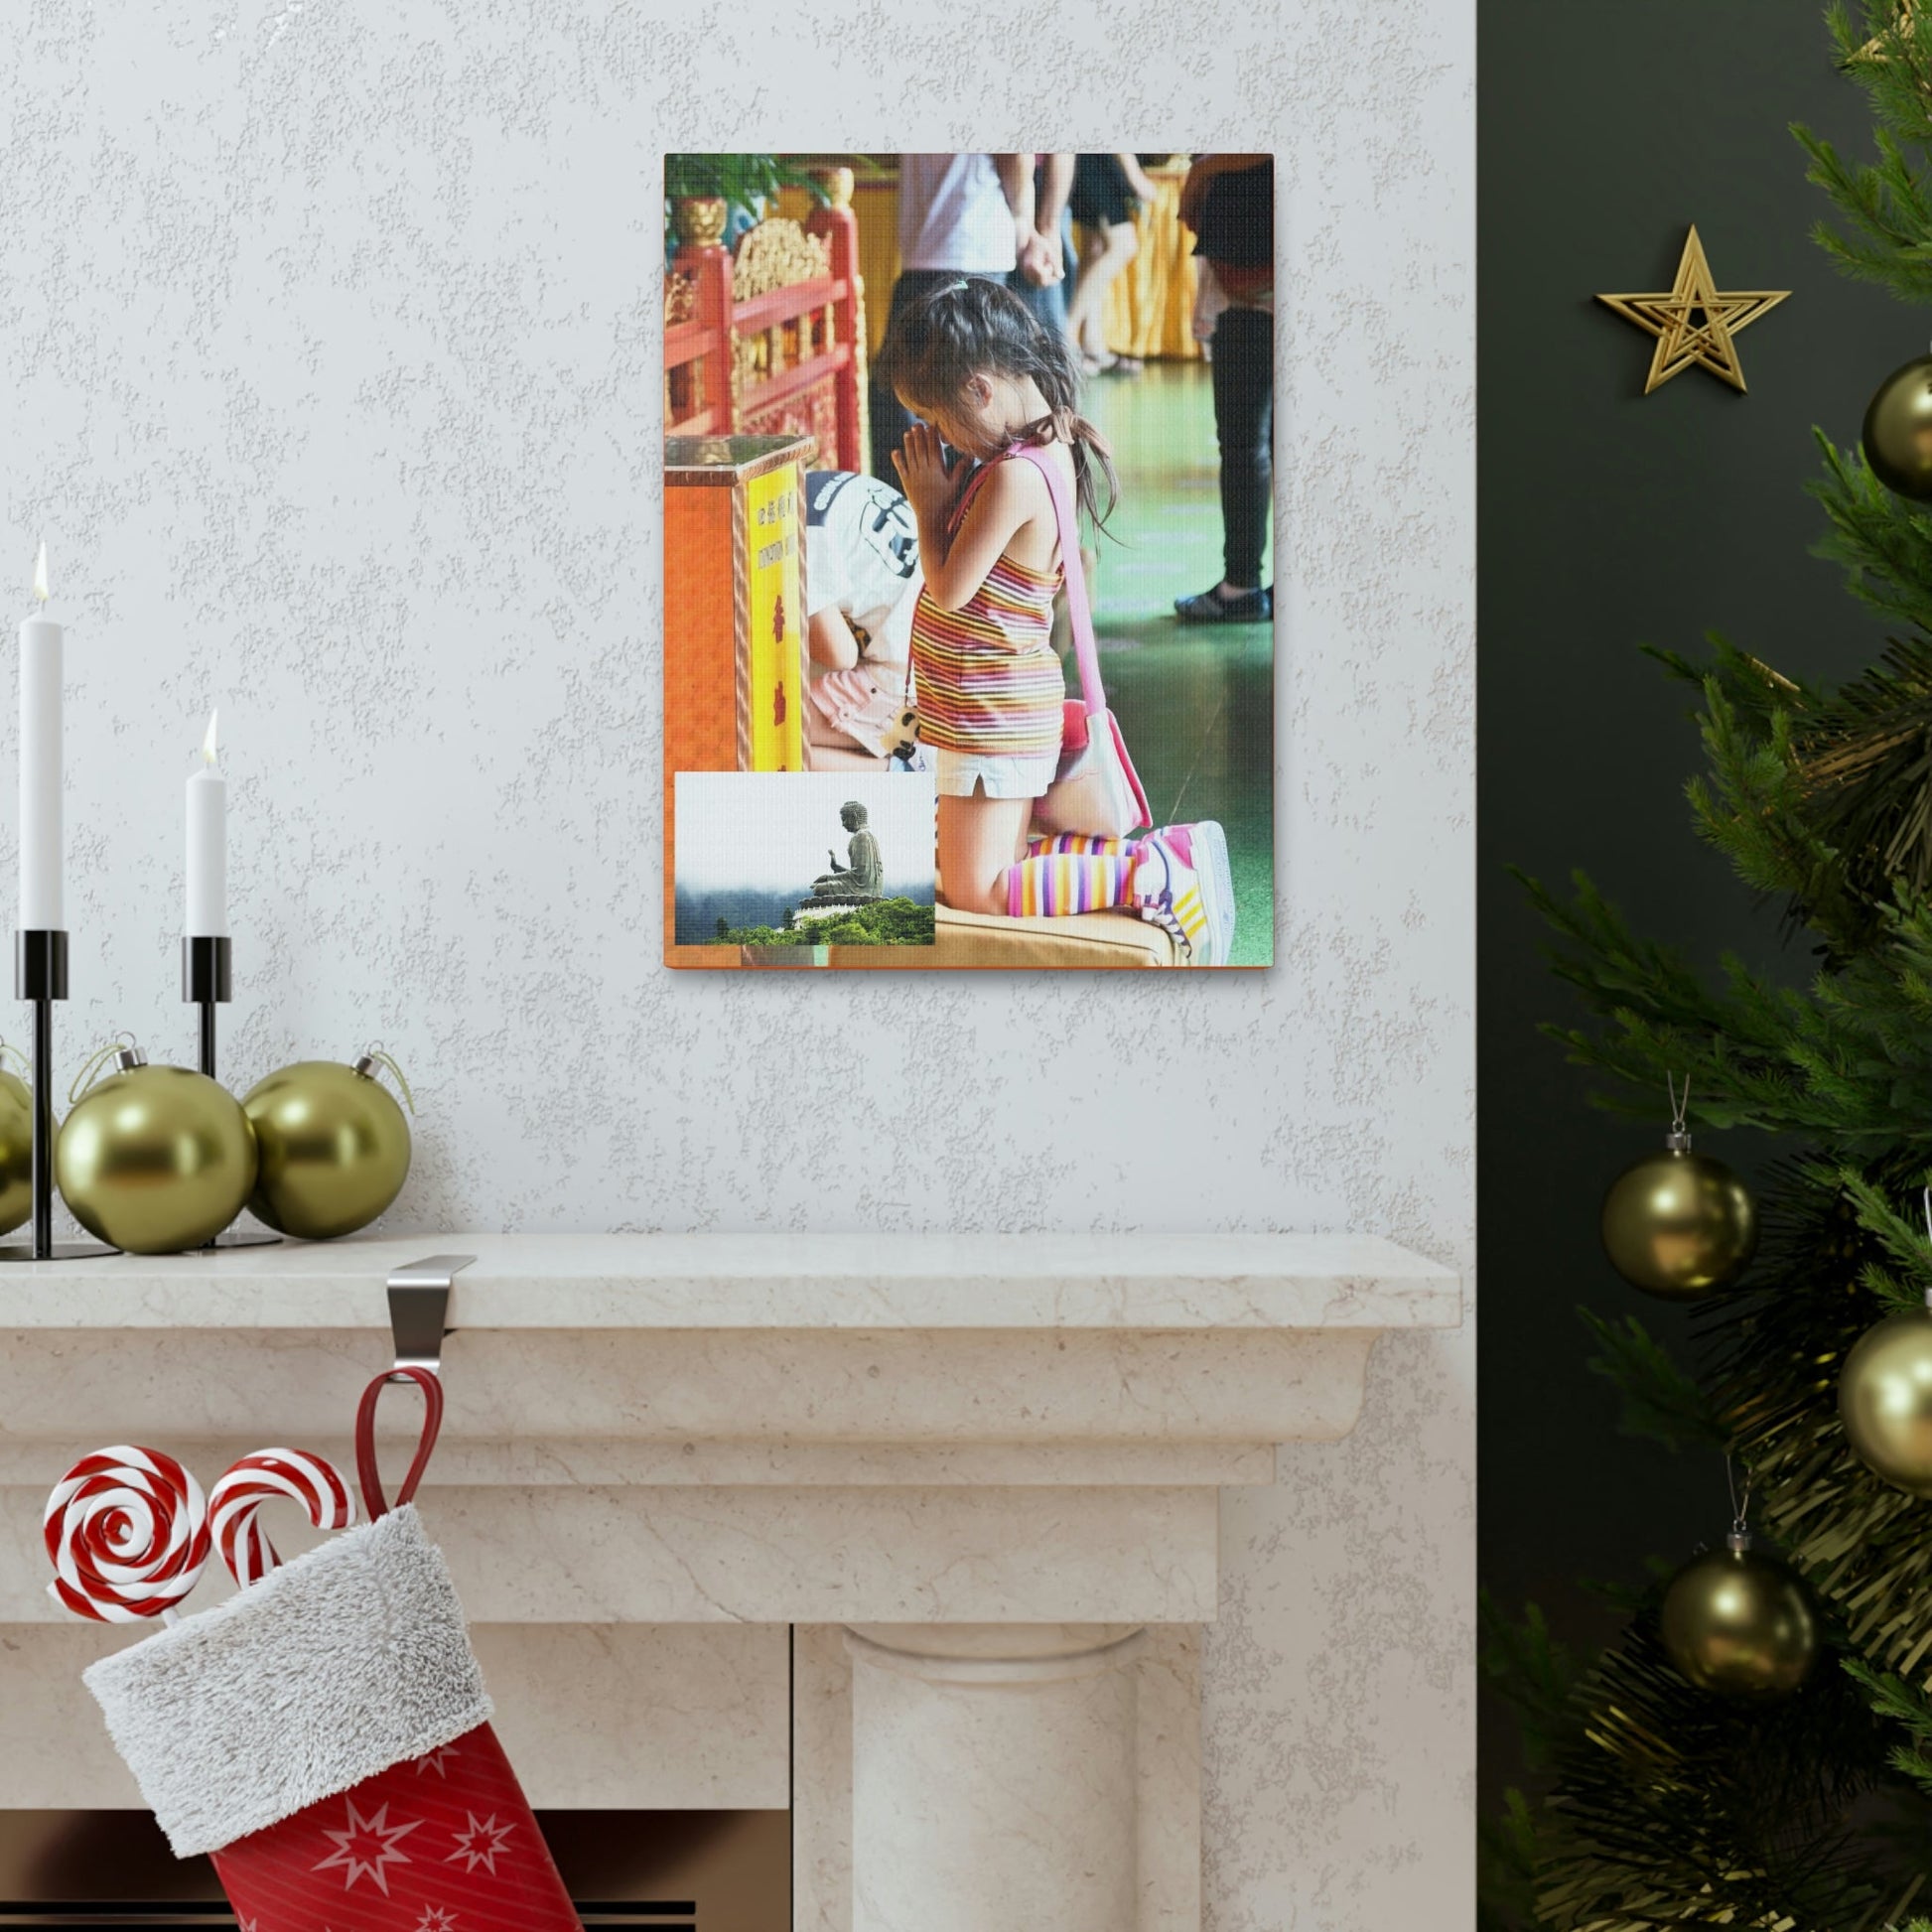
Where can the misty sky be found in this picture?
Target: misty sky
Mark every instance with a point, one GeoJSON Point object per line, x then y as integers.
{"type": "Point", "coordinates": [771, 831]}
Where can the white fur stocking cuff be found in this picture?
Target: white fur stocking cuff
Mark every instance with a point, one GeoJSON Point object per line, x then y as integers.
{"type": "Point", "coordinates": [332, 1668]}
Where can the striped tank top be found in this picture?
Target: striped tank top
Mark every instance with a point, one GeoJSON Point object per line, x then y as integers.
{"type": "Point", "coordinates": [988, 677]}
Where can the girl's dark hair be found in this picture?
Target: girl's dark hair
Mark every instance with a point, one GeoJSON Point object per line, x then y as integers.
{"type": "Point", "coordinates": [974, 326]}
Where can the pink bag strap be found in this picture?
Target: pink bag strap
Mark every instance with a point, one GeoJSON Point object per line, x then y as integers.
{"type": "Point", "coordinates": [1093, 694]}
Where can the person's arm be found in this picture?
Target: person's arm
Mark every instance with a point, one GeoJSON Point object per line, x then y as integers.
{"type": "Point", "coordinates": [1017, 183]}
{"type": "Point", "coordinates": [1139, 182]}
{"type": "Point", "coordinates": [957, 563]}
{"type": "Point", "coordinates": [1210, 299]}
{"type": "Point", "coordinates": [1055, 185]}
{"type": "Point", "coordinates": [830, 641]}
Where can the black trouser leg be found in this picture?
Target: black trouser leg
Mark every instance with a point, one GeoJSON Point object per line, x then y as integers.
{"type": "Point", "coordinates": [1244, 421]}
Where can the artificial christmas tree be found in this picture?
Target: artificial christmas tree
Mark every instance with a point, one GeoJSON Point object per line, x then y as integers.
{"type": "Point", "coordinates": [1810, 1809]}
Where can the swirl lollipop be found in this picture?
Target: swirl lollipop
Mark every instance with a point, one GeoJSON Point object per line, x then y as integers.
{"type": "Point", "coordinates": [266, 1476]}
{"type": "Point", "coordinates": [126, 1530]}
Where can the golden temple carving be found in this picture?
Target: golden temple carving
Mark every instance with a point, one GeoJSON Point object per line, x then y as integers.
{"type": "Point", "coordinates": [776, 255]}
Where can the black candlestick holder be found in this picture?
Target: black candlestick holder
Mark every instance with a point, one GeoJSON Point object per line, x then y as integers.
{"type": "Point", "coordinates": [208, 982]}
{"type": "Point", "coordinates": [41, 976]}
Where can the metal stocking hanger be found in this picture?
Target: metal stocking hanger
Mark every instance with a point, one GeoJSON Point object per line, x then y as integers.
{"type": "Point", "coordinates": [419, 1310]}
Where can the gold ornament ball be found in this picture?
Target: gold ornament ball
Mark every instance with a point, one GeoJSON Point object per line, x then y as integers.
{"type": "Point", "coordinates": [335, 1149]}
{"type": "Point", "coordinates": [1884, 1399]}
{"type": "Point", "coordinates": [155, 1159]}
{"type": "Point", "coordinates": [1741, 1625]}
{"type": "Point", "coordinates": [1899, 430]}
{"type": "Point", "coordinates": [1678, 1225]}
{"type": "Point", "coordinates": [16, 1151]}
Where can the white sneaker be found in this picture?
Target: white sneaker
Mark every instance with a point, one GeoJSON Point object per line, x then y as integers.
{"type": "Point", "coordinates": [1183, 884]}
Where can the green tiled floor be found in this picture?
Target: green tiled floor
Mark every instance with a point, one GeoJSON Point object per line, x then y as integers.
{"type": "Point", "coordinates": [1196, 701]}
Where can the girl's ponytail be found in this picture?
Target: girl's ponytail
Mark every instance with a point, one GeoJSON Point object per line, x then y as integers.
{"type": "Point", "coordinates": [1050, 366]}
{"type": "Point", "coordinates": [1081, 437]}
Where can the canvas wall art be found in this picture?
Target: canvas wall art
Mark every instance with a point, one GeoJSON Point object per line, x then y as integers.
{"type": "Point", "coordinates": [968, 492]}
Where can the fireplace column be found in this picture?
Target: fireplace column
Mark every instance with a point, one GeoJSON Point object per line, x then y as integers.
{"type": "Point", "coordinates": [994, 1777]}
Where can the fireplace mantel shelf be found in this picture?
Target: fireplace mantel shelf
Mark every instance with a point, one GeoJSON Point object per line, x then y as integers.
{"type": "Point", "coordinates": [724, 1282]}
{"type": "Point", "coordinates": [981, 1476]}
{"type": "Point", "coordinates": [1025, 1392]}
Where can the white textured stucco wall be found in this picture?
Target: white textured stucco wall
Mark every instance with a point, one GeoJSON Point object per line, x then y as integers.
{"type": "Point", "coordinates": [330, 372]}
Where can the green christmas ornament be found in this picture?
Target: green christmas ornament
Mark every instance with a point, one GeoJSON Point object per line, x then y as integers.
{"type": "Point", "coordinates": [1884, 1401]}
{"type": "Point", "coordinates": [1679, 1224]}
{"type": "Point", "coordinates": [1898, 435]}
{"type": "Point", "coordinates": [334, 1146]}
{"type": "Point", "coordinates": [154, 1160]}
{"type": "Point", "coordinates": [1884, 1395]}
{"type": "Point", "coordinates": [16, 1146]}
{"type": "Point", "coordinates": [1740, 1623]}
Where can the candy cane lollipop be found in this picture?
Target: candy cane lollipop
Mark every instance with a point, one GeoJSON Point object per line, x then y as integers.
{"type": "Point", "coordinates": [266, 1476]}
{"type": "Point", "coordinates": [126, 1529]}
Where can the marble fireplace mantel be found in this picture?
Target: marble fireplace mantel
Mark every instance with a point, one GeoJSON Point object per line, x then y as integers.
{"type": "Point", "coordinates": [979, 1474]}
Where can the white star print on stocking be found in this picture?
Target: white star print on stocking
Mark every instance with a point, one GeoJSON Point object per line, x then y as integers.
{"type": "Point", "coordinates": [367, 1847]}
{"type": "Point", "coordinates": [481, 1842]}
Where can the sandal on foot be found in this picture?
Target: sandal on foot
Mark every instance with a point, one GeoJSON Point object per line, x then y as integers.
{"type": "Point", "coordinates": [1211, 607]}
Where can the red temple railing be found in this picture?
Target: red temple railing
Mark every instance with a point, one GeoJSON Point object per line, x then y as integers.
{"type": "Point", "coordinates": [770, 338]}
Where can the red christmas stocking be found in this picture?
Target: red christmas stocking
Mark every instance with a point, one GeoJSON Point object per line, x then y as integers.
{"type": "Point", "coordinates": [325, 1735]}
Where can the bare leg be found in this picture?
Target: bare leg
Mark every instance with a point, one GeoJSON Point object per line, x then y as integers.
{"type": "Point", "coordinates": [1104, 252]}
{"type": "Point", "coordinates": [979, 838]}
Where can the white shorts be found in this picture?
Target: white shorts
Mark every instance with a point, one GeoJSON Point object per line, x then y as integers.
{"type": "Point", "coordinates": [962, 773]}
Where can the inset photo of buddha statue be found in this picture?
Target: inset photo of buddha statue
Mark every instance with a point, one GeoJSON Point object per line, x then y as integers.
{"type": "Point", "coordinates": [768, 863]}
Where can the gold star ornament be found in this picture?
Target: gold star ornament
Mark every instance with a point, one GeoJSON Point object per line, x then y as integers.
{"type": "Point", "coordinates": [1695, 323]}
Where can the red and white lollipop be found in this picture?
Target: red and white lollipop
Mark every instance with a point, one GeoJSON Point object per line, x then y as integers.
{"type": "Point", "coordinates": [126, 1530]}
{"type": "Point", "coordinates": [273, 1475]}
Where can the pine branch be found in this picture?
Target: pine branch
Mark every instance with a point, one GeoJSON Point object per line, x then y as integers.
{"type": "Point", "coordinates": [1776, 1353]}
{"type": "Point", "coordinates": [1660, 1401]}
{"type": "Point", "coordinates": [1907, 1706]}
{"type": "Point", "coordinates": [1752, 687]}
{"type": "Point", "coordinates": [1901, 1288]}
{"type": "Point", "coordinates": [1678, 1808]}
{"type": "Point", "coordinates": [1884, 227]}
{"type": "Point", "coordinates": [1848, 1063]}
{"type": "Point", "coordinates": [1534, 1673]}
{"type": "Point", "coordinates": [1861, 768]}
{"type": "Point", "coordinates": [1759, 807]}
{"type": "Point", "coordinates": [1884, 542]}
{"type": "Point", "coordinates": [1506, 1870]}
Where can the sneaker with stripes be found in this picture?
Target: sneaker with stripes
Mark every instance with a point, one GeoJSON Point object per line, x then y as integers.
{"type": "Point", "coordinates": [1183, 884]}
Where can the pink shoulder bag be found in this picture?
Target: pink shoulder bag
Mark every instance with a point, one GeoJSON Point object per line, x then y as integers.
{"type": "Point", "coordinates": [1095, 789]}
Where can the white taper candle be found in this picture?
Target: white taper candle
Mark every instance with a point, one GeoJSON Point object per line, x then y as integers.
{"type": "Point", "coordinates": [208, 846]}
{"type": "Point", "coordinates": [43, 899]}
